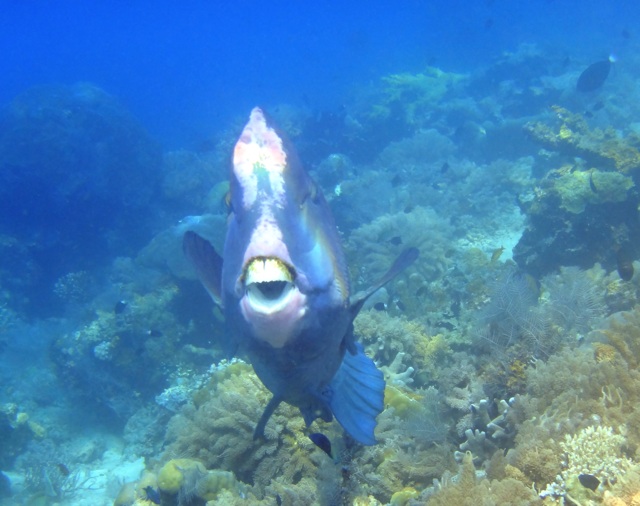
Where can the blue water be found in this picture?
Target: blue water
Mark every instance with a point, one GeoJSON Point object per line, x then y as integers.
{"type": "Point", "coordinates": [184, 71]}
{"type": "Point", "coordinates": [423, 123]}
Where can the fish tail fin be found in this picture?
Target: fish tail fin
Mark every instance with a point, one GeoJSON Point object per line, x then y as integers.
{"type": "Point", "coordinates": [357, 396]}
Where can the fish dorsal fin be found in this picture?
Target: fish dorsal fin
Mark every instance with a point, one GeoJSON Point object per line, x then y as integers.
{"type": "Point", "coordinates": [207, 263]}
{"type": "Point", "coordinates": [404, 260]}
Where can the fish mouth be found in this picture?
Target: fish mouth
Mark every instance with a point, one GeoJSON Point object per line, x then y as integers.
{"type": "Point", "coordinates": [269, 284]}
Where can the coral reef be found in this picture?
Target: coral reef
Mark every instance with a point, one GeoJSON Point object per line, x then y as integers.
{"type": "Point", "coordinates": [469, 489]}
{"type": "Point", "coordinates": [374, 246]}
{"type": "Point", "coordinates": [572, 136]}
{"type": "Point", "coordinates": [218, 431]}
{"type": "Point", "coordinates": [70, 157]}
{"type": "Point", "coordinates": [413, 96]}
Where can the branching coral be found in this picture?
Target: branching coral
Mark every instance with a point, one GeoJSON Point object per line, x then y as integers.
{"type": "Point", "coordinates": [469, 490]}
{"type": "Point", "coordinates": [596, 451]}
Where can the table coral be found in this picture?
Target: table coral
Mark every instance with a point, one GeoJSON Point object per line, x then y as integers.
{"type": "Point", "coordinates": [415, 94]}
{"type": "Point", "coordinates": [572, 136]}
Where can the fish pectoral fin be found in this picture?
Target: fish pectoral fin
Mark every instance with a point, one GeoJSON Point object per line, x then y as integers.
{"type": "Point", "coordinates": [266, 414]}
{"type": "Point", "coordinates": [207, 263]}
{"type": "Point", "coordinates": [357, 396]}
{"type": "Point", "coordinates": [404, 260]}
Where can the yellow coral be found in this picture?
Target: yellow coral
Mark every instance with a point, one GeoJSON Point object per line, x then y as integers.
{"type": "Point", "coordinates": [402, 497]}
{"type": "Point", "coordinates": [624, 335]}
{"type": "Point", "coordinates": [604, 352]}
{"type": "Point", "coordinates": [401, 400]}
{"type": "Point", "coordinates": [429, 350]}
{"type": "Point", "coordinates": [172, 475]}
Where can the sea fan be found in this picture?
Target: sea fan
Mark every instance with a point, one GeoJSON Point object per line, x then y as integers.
{"type": "Point", "coordinates": [509, 314]}
{"type": "Point", "coordinates": [575, 302]}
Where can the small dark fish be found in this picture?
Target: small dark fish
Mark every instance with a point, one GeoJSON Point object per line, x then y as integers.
{"type": "Point", "coordinates": [495, 256]}
{"type": "Point", "coordinates": [624, 260]}
{"type": "Point", "coordinates": [322, 442]}
{"type": "Point", "coordinates": [588, 114]}
{"type": "Point", "coordinates": [589, 481]}
{"type": "Point", "coordinates": [598, 106]}
{"type": "Point", "coordinates": [120, 306]}
{"type": "Point", "coordinates": [64, 470]}
{"type": "Point", "coordinates": [594, 76]}
{"type": "Point", "coordinates": [408, 209]}
{"type": "Point", "coordinates": [444, 168]}
{"type": "Point", "coordinates": [396, 240]}
{"type": "Point", "coordinates": [380, 306]}
{"type": "Point", "coordinates": [592, 184]}
{"type": "Point", "coordinates": [278, 500]}
{"type": "Point", "coordinates": [154, 333]}
{"type": "Point", "coordinates": [400, 305]}
{"type": "Point", "coordinates": [152, 494]}
{"type": "Point", "coordinates": [396, 180]}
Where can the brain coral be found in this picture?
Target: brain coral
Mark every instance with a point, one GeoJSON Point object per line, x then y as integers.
{"type": "Point", "coordinates": [373, 247]}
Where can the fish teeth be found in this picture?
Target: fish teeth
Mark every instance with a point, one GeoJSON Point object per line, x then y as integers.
{"type": "Point", "coordinates": [264, 269]}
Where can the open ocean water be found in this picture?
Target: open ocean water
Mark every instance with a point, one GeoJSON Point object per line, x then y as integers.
{"type": "Point", "coordinates": [499, 138]}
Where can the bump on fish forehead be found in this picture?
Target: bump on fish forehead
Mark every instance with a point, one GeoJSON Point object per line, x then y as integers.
{"type": "Point", "coordinates": [260, 149]}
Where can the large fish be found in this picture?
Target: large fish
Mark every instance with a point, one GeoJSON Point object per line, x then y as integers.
{"type": "Point", "coordinates": [284, 288]}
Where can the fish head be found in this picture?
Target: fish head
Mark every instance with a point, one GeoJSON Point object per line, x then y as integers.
{"type": "Point", "coordinates": [283, 261]}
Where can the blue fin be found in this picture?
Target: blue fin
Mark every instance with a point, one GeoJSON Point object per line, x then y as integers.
{"type": "Point", "coordinates": [357, 396]}
{"type": "Point", "coordinates": [266, 414]}
{"type": "Point", "coordinates": [207, 263]}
